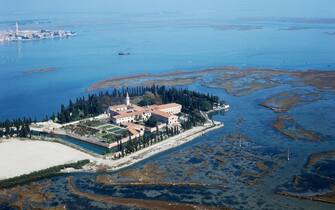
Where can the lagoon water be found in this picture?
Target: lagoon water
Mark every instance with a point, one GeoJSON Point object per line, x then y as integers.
{"type": "Point", "coordinates": [180, 35]}
{"type": "Point", "coordinates": [160, 36]}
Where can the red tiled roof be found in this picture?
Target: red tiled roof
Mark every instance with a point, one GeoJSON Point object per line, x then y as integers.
{"type": "Point", "coordinates": [167, 106]}
{"type": "Point", "coordinates": [133, 125]}
{"type": "Point", "coordinates": [132, 131]}
{"type": "Point", "coordinates": [118, 106]}
{"type": "Point", "coordinates": [137, 110]}
{"type": "Point", "coordinates": [163, 114]}
{"type": "Point", "coordinates": [126, 114]}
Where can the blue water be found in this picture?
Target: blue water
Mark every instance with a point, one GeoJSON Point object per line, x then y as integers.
{"type": "Point", "coordinates": [161, 36]}
{"type": "Point", "coordinates": [84, 145]}
{"type": "Point", "coordinates": [172, 35]}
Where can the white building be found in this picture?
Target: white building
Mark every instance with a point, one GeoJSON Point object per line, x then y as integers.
{"type": "Point", "coordinates": [129, 113]}
{"type": "Point", "coordinates": [172, 108]}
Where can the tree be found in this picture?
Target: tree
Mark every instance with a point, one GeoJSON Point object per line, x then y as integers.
{"type": "Point", "coordinates": [148, 99]}
{"type": "Point", "coordinates": [151, 122]}
{"type": "Point", "coordinates": [94, 104]}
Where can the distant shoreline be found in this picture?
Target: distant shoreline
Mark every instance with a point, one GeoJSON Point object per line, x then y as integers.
{"type": "Point", "coordinates": [41, 70]}
{"type": "Point", "coordinates": [108, 82]}
{"type": "Point", "coordinates": [230, 78]}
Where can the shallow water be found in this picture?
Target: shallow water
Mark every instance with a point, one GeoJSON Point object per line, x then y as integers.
{"type": "Point", "coordinates": [226, 173]}
{"type": "Point", "coordinates": [162, 37]}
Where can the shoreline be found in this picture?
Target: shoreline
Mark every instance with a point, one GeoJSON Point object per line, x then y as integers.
{"type": "Point", "coordinates": [106, 162]}
{"type": "Point", "coordinates": [145, 153]}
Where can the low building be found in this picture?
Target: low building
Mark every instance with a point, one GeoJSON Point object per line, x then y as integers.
{"type": "Point", "coordinates": [165, 117]}
{"type": "Point", "coordinates": [135, 130]}
{"type": "Point", "coordinates": [131, 113]}
{"type": "Point", "coordinates": [124, 118]}
{"type": "Point", "coordinates": [113, 110]}
{"type": "Point", "coordinates": [172, 108]}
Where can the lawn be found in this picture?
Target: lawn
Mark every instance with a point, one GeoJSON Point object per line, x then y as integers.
{"type": "Point", "coordinates": [121, 132]}
{"type": "Point", "coordinates": [114, 129]}
{"type": "Point", "coordinates": [92, 123]}
{"type": "Point", "coordinates": [105, 127]}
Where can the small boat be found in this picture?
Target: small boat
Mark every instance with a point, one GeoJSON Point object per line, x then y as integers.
{"type": "Point", "coordinates": [124, 53]}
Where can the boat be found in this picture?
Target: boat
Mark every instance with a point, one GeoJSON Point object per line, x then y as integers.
{"type": "Point", "coordinates": [124, 53]}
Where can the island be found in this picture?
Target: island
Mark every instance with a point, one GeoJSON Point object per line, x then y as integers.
{"type": "Point", "coordinates": [130, 124]}
{"type": "Point", "coordinates": [17, 34]}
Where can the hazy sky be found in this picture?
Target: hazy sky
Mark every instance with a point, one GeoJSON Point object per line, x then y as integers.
{"type": "Point", "coordinates": [207, 8]}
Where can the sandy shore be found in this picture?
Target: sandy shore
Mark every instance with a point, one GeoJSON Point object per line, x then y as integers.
{"type": "Point", "coordinates": [19, 157]}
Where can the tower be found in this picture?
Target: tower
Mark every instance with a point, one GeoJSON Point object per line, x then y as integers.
{"type": "Point", "coordinates": [127, 99]}
{"type": "Point", "coordinates": [16, 29]}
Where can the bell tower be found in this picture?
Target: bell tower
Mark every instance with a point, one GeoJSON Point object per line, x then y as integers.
{"type": "Point", "coordinates": [127, 100]}
{"type": "Point", "coordinates": [16, 29]}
